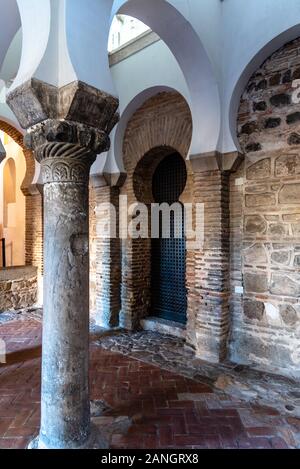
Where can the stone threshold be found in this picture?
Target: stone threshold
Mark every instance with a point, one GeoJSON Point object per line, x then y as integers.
{"type": "Point", "coordinates": [163, 326]}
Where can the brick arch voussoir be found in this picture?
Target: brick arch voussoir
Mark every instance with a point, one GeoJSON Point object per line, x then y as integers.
{"type": "Point", "coordinates": [158, 127]}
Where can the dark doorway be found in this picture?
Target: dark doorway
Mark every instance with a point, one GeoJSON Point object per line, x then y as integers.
{"type": "Point", "coordinates": [168, 255]}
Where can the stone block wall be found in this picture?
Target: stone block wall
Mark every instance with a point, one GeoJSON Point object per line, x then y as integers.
{"type": "Point", "coordinates": [18, 288]}
{"type": "Point", "coordinates": [266, 330]}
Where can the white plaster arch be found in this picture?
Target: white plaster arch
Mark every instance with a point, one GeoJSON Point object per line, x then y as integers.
{"type": "Point", "coordinates": [183, 41]}
{"type": "Point", "coordinates": [10, 23]}
{"type": "Point", "coordinates": [68, 42]}
{"type": "Point", "coordinates": [32, 49]}
{"type": "Point", "coordinates": [257, 60]}
{"type": "Point", "coordinates": [11, 62]}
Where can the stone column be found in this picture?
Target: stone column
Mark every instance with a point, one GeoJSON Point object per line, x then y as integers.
{"type": "Point", "coordinates": [67, 128]}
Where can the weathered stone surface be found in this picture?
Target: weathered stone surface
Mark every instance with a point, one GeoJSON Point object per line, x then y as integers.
{"type": "Point", "coordinates": [18, 288]}
{"type": "Point", "coordinates": [255, 282]}
{"type": "Point", "coordinates": [285, 284]}
{"type": "Point", "coordinates": [255, 255]}
{"type": "Point", "coordinates": [260, 200]}
{"type": "Point", "coordinates": [249, 128]}
{"type": "Point", "coordinates": [254, 310]}
{"type": "Point", "coordinates": [280, 100]}
{"type": "Point", "coordinates": [293, 118]}
{"type": "Point", "coordinates": [277, 230]}
{"type": "Point", "coordinates": [281, 257]}
{"type": "Point", "coordinates": [256, 189]}
{"type": "Point", "coordinates": [272, 218]}
{"type": "Point", "coordinates": [287, 77]}
{"type": "Point", "coordinates": [296, 74]}
{"type": "Point", "coordinates": [270, 342]}
{"type": "Point", "coordinates": [275, 80]}
{"type": "Point", "coordinates": [262, 85]}
{"type": "Point", "coordinates": [287, 165]}
{"type": "Point", "coordinates": [255, 224]}
{"type": "Point", "coordinates": [36, 101]}
{"type": "Point", "coordinates": [260, 106]}
{"type": "Point", "coordinates": [296, 229]}
{"type": "Point", "coordinates": [294, 139]}
{"type": "Point", "coordinates": [297, 261]}
{"type": "Point", "coordinates": [291, 217]}
{"type": "Point", "coordinates": [259, 170]}
{"type": "Point", "coordinates": [289, 315]}
{"type": "Point", "coordinates": [272, 122]}
{"type": "Point", "coordinates": [290, 194]}
{"type": "Point", "coordinates": [253, 147]}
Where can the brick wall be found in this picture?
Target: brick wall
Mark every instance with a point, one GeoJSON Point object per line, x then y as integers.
{"type": "Point", "coordinates": [266, 330]}
{"type": "Point", "coordinates": [105, 259]}
{"type": "Point", "coordinates": [211, 188]}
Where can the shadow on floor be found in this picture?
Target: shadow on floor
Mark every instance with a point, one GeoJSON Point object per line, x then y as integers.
{"type": "Point", "coordinates": [21, 356]}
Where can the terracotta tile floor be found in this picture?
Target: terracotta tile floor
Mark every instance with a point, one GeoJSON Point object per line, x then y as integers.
{"type": "Point", "coordinates": [167, 410]}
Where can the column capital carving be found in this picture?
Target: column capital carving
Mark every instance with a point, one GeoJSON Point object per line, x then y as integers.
{"type": "Point", "coordinates": [66, 127]}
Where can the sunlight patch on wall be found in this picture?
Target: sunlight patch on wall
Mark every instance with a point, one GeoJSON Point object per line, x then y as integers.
{"type": "Point", "coordinates": [124, 29]}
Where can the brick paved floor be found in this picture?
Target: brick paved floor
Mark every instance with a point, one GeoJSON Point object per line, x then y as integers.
{"type": "Point", "coordinates": [167, 410]}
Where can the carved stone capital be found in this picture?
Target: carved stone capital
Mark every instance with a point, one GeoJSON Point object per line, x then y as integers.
{"type": "Point", "coordinates": [36, 101]}
{"type": "Point", "coordinates": [66, 127]}
{"type": "Point", "coordinates": [66, 150]}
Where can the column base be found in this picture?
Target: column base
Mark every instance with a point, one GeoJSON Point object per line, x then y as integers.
{"type": "Point", "coordinates": [97, 440]}
{"type": "Point", "coordinates": [102, 429]}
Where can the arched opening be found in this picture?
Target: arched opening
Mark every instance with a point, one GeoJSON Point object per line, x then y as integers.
{"type": "Point", "coordinates": [153, 134]}
{"type": "Point", "coordinates": [192, 58]}
{"type": "Point", "coordinates": [160, 181]}
{"type": "Point", "coordinates": [168, 250]}
{"type": "Point", "coordinates": [12, 203]}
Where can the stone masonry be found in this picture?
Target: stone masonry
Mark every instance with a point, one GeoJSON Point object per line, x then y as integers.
{"type": "Point", "coordinates": [18, 288]}
{"type": "Point", "coordinates": [266, 330]}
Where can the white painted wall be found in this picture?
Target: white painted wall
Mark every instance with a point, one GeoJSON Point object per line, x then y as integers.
{"type": "Point", "coordinates": [217, 45]}
{"type": "Point", "coordinates": [14, 233]}
{"type": "Point", "coordinates": [9, 24]}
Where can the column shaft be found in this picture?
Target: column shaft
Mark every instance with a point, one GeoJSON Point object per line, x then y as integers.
{"type": "Point", "coordinates": [65, 389]}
